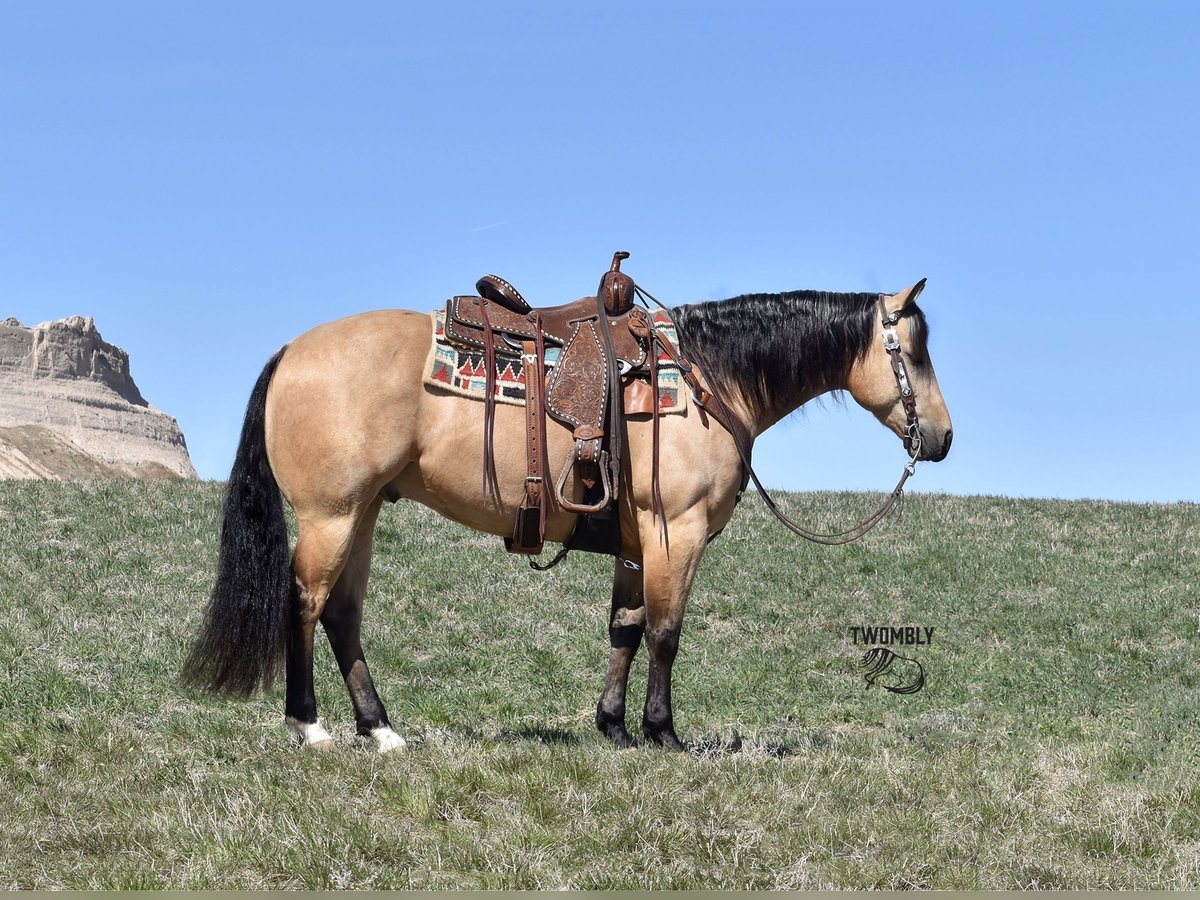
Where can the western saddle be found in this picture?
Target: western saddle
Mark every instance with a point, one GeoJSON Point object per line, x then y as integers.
{"type": "Point", "coordinates": [579, 361]}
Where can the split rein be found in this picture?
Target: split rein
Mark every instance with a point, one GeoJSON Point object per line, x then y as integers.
{"type": "Point", "coordinates": [741, 437]}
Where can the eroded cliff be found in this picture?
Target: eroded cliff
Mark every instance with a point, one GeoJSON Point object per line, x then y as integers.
{"type": "Point", "coordinates": [69, 408]}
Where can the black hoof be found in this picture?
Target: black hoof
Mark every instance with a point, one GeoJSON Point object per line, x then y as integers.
{"type": "Point", "coordinates": [663, 737]}
{"type": "Point", "coordinates": [613, 728]}
{"type": "Point", "coordinates": [620, 737]}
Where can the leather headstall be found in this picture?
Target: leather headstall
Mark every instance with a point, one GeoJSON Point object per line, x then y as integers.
{"type": "Point", "coordinates": [891, 343]}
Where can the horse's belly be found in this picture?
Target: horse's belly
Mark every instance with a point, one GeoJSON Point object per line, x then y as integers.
{"type": "Point", "coordinates": [447, 472]}
{"type": "Point", "coordinates": [467, 507]}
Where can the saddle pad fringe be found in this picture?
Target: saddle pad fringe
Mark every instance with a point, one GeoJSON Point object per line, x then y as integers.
{"type": "Point", "coordinates": [463, 370]}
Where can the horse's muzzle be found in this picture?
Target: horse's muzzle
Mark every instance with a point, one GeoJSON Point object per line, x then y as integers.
{"type": "Point", "coordinates": [935, 451]}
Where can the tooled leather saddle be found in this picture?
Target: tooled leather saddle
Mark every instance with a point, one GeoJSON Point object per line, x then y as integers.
{"type": "Point", "coordinates": [579, 362]}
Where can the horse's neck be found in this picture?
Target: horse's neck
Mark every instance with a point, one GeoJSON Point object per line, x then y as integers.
{"type": "Point", "coordinates": [763, 420]}
{"type": "Point", "coordinates": [759, 420]}
{"type": "Point", "coordinates": [786, 401]}
{"type": "Point", "coordinates": [782, 399]}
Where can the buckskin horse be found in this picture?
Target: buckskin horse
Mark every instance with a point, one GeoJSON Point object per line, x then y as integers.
{"type": "Point", "coordinates": [341, 420]}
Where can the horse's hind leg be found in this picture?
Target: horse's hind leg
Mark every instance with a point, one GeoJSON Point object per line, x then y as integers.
{"type": "Point", "coordinates": [342, 619]}
{"type": "Point", "coordinates": [321, 553]}
{"type": "Point", "coordinates": [626, 623]}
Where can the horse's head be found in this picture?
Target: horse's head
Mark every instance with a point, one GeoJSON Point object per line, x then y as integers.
{"type": "Point", "coordinates": [879, 379]}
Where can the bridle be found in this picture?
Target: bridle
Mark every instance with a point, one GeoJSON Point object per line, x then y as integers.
{"type": "Point", "coordinates": [891, 343]}
{"type": "Point", "coordinates": [710, 401]}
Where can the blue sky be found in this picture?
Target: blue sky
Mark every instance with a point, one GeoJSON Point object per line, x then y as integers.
{"type": "Point", "coordinates": [210, 179]}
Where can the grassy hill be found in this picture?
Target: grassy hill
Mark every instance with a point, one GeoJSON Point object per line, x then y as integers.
{"type": "Point", "coordinates": [1055, 743]}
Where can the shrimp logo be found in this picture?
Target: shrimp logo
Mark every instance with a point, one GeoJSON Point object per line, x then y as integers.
{"type": "Point", "coordinates": [893, 672]}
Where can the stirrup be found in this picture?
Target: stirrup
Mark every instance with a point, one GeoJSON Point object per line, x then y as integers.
{"type": "Point", "coordinates": [582, 508]}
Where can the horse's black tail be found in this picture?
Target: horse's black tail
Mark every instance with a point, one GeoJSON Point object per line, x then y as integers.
{"type": "Point", "coordinates": [242, 642]}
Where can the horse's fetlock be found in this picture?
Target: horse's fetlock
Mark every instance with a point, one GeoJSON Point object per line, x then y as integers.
{"type": "Point", "coordinates": [386, 740]}
{"type": "Point", "coordinates": [661, 733]}
{"type": "Point", "coordinates": [606, 716]}
{"type": "Point", "coordinates": [311, 733]}
{"type": "Point", "coordinates": [367, 727]}
{"type": "Point", "coordinates": [300, 709]}
{"type": "Point", "coordinates": [657, 717]}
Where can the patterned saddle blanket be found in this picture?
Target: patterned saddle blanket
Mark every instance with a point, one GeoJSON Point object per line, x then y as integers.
{"type": "Point", "coordinates": [461, 369]}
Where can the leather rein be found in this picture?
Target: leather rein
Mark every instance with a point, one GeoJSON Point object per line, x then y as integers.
{"type": "Point", "coordinates": [710, 401]}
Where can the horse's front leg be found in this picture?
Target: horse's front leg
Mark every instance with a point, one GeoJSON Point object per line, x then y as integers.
{"type": "Point", "coordinates": [666, 580]}
{"type": "Point", "coordinates": [626, 623]}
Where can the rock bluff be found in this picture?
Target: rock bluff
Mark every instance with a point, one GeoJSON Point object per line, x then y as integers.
{"type": "Point", "coordinates": [70, 409]}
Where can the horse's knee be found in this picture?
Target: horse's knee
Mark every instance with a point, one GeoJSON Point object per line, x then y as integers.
{"type": "Point", "coordinates": [663, 641]}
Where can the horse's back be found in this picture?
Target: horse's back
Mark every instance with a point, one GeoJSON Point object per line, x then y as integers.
{"type": "Point", "coordinates": [364, 337]}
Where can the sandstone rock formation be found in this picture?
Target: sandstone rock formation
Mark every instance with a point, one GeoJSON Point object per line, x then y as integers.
{"type": "Point", "coordinates": [69, 409]}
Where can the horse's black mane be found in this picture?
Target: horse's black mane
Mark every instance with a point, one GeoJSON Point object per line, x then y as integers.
{"type": "Point", "coordinates": [771, 347]}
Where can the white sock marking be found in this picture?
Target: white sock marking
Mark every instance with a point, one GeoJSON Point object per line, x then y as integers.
{"type": "Point", "coordinates": [387, 740]}
{"type": "Point", "coordinates": [311, 733]}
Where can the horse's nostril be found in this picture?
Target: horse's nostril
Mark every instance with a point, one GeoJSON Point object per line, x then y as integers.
{"type": "Point", "coordinates": [946, 443]}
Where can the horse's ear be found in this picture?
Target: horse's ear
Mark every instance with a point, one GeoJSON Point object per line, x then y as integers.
{"type": "Point", "coordinates": [897, 301]}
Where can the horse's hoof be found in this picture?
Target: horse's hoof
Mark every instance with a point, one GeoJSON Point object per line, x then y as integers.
{"type": "Point", "coordinates": [387, 741]}
{"type": "Point", "coordinates": [312, 734]}
{"type": "Point", "coordinates": [612, 726]}
{"type": "Point", "coordinates": [666, 739]}
{"type": "Point", "coordinates": [620, 738]}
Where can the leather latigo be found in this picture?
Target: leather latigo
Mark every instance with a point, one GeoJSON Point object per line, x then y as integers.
{"type": "Point", "coordinates": [529, 530]}
{"type": "Point", "coordinates": [637, 397]}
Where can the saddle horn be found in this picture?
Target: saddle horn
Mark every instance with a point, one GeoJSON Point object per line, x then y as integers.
{"type": "Point", "coordinates": [616, 288]}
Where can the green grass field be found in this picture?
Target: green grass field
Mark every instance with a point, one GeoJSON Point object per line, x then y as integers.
{"type": "Point", "coordinates": [1056, 743]}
